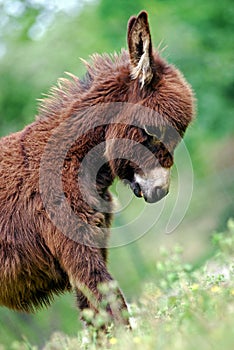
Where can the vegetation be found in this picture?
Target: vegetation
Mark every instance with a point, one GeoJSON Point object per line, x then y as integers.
{"type": "Point", "coordinates": [183, 297]}
{"type": "Point", "coordinates": [183, 308]}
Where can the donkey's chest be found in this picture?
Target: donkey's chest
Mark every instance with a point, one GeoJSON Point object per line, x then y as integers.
{"type": "Point", "coordinates": [29, 280]}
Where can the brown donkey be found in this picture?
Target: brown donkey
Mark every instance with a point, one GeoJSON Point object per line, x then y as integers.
{"type": "Point", "coordinates": [123, 119]}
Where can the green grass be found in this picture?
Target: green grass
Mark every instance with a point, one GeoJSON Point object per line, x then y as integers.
{"type": "Point", "coordinates": [183, 308]}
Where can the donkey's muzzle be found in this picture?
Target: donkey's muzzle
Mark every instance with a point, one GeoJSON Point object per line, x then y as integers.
{"type": "Point", "coordinates": [153, 184]}
{"type": "Point", "coordinates": [155, 195]}
{"type": "Point", "coordinates": [150, 196]}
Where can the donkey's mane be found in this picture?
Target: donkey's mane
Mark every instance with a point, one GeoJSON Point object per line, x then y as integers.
{"type": "Point", "coordinates": [73, 90]}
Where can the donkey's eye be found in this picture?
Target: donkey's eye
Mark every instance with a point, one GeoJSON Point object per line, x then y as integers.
{"type": "Point", "coordinates": [155, 132]}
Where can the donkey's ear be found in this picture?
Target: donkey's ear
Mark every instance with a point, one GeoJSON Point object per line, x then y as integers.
{"type": "Point", "coordinates": [140, 48]}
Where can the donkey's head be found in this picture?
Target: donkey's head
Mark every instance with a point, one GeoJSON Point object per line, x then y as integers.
{"type": "Point", "coordinates": [151, 124]}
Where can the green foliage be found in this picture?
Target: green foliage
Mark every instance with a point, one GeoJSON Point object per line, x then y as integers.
{"type": "Point", "coordinates": [183, 309]}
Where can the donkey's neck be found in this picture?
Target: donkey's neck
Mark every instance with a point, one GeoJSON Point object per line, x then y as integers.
{"type": "Point", "coordinates": [88, 152]}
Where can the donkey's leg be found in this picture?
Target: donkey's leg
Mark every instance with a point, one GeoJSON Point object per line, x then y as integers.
{"type": "Point", "coordinates": [86, 271]}
{"type": "Point", "coordinates": [82, 300]}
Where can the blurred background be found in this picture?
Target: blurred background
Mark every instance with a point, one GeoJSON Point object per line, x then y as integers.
{"type": "Point", "coordinates": [40, 40]}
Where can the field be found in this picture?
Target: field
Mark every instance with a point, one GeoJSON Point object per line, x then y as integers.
{"type": "Point", "coordinates": [185, 307]}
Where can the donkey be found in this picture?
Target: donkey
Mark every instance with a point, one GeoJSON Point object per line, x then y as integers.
{"type": "Point", "coordinates": [123, 119]}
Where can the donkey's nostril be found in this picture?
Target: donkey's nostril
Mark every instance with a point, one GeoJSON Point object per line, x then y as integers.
{"type": "Point", "coordinates": [136, 189]}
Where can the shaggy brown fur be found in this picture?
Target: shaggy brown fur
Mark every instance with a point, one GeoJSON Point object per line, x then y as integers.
{"type": "Point", "coordinates": [42, 253]}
